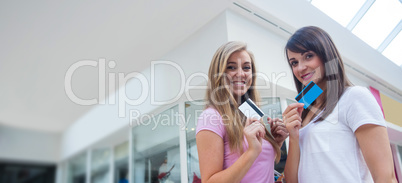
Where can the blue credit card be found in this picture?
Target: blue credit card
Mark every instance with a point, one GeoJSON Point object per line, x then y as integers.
{"type": "Point", "coordinates": [309, 94]}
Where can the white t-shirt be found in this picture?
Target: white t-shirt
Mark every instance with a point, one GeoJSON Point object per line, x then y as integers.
{"type": "Point", "coordinates": [329, 150]}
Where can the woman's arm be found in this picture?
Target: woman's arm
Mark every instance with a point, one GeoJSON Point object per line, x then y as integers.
{"type": "Point", "coordinates": [375, 146]}
{"type": "Point", "coordinates": [292, 161]}
{"type": "Point", "coordinates": [292, 119]}
{"type": "Point", "coordinates": [211, 155]}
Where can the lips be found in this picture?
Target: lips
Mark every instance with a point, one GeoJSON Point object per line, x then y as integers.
{"type": "Point", "coordinates": [307, 76]}
{"type": "Point", "coordinates": [238, 83]}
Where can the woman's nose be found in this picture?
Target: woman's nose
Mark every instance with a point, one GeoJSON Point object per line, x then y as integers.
{"type": "Point", "coordinates": [301, 66]}
{"type": "Point", "coordinates": [240, 72]}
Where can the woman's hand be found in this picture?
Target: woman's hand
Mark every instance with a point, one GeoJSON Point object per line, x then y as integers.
{"type": "Point", "coordinates": [278, 130]}
{"type": "Point", "coordinates": [254, 132]}
{"type": "Point", "coordinates": [292, 119]}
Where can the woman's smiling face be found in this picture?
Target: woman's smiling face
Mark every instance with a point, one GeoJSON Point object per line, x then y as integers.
{"type": "Point", "coordinates": [307, 67]}
{"type": "Point", "coordinates": [239, 73]}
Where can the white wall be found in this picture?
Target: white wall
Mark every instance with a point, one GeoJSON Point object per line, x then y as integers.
{"type": "Point", "coordinates": [18, 144]}
{"type": "Point", "coordinates": [268, 49]}
{"type": "Point", "coordinates": [192, 56]}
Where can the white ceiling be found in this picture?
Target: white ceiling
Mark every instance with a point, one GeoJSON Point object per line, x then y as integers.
{"type": "Point", "coordinates": [40, 40]}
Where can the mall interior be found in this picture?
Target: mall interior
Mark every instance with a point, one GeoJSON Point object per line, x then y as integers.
{"type": "Point", "coordinates": [110, 91]}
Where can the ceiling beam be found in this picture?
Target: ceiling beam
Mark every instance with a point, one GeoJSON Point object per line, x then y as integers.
{"type": "Point", "coordinates": [359, 15]}
{"type": "Point", "coordinates": [390, 37]}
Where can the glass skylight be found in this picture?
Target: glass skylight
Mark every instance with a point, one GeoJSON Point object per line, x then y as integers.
{"type": "Point", "coordinates": [341, 11]}
{"type": "Point", "coordinates": [370, 20]}
{"type": "Point", "coordinates": [379, 21]}
{"type": "Point", "coordinates": [393, 51]}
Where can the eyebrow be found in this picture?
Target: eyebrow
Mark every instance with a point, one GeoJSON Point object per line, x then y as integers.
{"type": "Point", "coordinates": [233, 62]}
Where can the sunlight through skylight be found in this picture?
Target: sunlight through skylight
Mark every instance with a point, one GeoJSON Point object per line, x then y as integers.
{"type": "Point", "coordinates": [393, 51]}
{"type": "Point", "coordinates": [376, 23]}
{"type": "Point", "coordinates": [341, 11]}
{"type": "Point", "coordinates": [379, 21]}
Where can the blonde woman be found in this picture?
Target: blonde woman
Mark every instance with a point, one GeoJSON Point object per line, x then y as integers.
{"type": "Point", "coordinates": [232, 148]}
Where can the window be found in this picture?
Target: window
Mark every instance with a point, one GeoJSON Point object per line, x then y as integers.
{"type": "Point", "coordinates": [393, 49]}
{"type": "Point", "coordinates": [25, 172]}
{"type": "Point", "coordinates": [121, 162]}
{"type": "Point", "coordinates": [333, 8]}
{"type": "Point", "coordinates": [100, 169]}
{"type": "Point", "coordinates": [289, 101]}
{"type": "Point", "coordinates": [378, 22]}
{"type": "Point", "coordinates": [375, 22]}
{"type": "Point", "coordinates": [156, 152]}
{"type": "Point", "coordinates": [77, 169]}
{"type": "Point", "coordinates": [192, 111]}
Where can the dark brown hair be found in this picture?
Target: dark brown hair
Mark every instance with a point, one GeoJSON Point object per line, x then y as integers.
{"type": "Point", "coordinates": [315, 39]}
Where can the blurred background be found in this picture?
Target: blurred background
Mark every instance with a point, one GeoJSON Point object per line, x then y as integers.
{"type": "Point", "coordinates": [101, 91]}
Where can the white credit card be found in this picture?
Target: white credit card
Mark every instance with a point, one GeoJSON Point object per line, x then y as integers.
{"type": "Point", "coordinates": [250, 110]}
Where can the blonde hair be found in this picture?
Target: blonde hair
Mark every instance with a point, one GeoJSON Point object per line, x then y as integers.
{"type": "Point", "coordinates": [221, 98]}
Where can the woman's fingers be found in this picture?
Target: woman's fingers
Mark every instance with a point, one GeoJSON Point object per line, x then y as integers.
{"type": "Point", "coordinates": [255, 126]}
{"type": "Point", "coordinates": [293, 124]}
{"type": "Point", "coordinates": [293, 106]}
{"type": "Point", "coordinates": [279, 131]}
{"type": "Point", "coordinates": [292, 110]}
{"type": "Point", "coordinates": [300, 109]}
{"type": "Point", "coordinates": [280, 128]}
{"type": "Point", "coordinates": [292, 119]}
{"type": "Point", "coordinates": [275, 123]}
{"type": "Point", "coordinates": [254, 133]}
{"type": "Point", "coordinates": [251, 121]}
{"type": "Point", "coordinates": [269, 120]}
